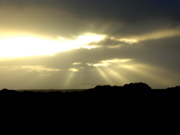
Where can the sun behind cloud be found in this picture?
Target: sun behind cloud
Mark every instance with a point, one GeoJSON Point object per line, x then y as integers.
{"type": "Point", "coordinates": [32, 46]}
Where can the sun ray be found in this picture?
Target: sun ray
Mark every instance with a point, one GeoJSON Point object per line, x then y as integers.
{"type": "Point", "coordinates": [153, 74]}
{"type": "Point", "coordinates": [72, 75]}
{"type": "Point", "coordinates": [104, 75]}
{"type": "Point", "coordinates": [69, 78]}
{"type": "Point", "coordinates": [116, 76]}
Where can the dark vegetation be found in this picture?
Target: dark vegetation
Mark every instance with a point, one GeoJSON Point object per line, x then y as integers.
{"type": "Point", "coordinates": [100, 100]}
{"type": "Point", "coordinates": [102, 105]}
{"type": "Point", "coordinates": [128, 90]}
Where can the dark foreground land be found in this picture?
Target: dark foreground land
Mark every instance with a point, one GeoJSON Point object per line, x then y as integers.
{"type": "Point", "coordinates": [128, 91]}
{"type": "Point", "coordinates": [129, 108]}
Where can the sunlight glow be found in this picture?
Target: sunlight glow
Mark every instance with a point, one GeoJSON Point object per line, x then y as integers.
{"type": "Point", "coordinates": [31, 46]}
{"type": "Point", "coordinates": [74, 69]}
{"type": "Point", "coordinates": [108, 62]}
{"type": "Point", "coordinates": [159, 35]}
{"type": "Point", "coordinates": [129, 41]}
{"type": "Point", "coordinates": [88, 38]}
{"type": "Point", "coordinates": [113, 46]}
{"type": "Point", "coordinates": [76, 63]}
{"type": "Point", "coordinates": [126, 40]}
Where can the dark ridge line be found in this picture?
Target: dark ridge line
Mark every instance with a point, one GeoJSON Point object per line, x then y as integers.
{"type": "Point", "coordinates": [131, 89]}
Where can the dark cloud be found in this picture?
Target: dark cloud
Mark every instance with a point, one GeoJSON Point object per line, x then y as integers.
{"type": "Point", "coordinates": [107, 42]}
{"type": "Point", "coordinates": [113, 17]}
{"type": "Point", "coordinates": [124, 17]}
{"type": "Point", "coordinates": [162, 52]}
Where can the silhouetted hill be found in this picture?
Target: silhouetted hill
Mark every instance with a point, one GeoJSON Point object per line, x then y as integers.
{"type": "Point", "coordinates": [100, 91]}
{"type": "Point", "coordinates": [102, 103]}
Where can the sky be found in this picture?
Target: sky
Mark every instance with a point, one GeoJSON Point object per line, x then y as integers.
{"type": "Point", "coordinates": [78, 44]}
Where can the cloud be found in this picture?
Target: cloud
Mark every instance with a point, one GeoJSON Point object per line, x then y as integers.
{"type": "Point", "coordinates": [108, 62]}
{"type": "Point", "coordinates": [162, 52]}
{"type": "Point", "coordinates": [159, 34]}
{"type": "Point", "coordinates": [76, 63]}
{"type": "Point", "coordinates": [37, 68]}
{"type": "Point", "coordinates": [145, 31]}
{"type": "Point", "coordinates": [72, 17]}
{"type": "Point", "coordinates": [108, 41]}
{"type": "Point", "coordinates": [113, 42]}
{"type": "Point", "coordinates": [75, 69]}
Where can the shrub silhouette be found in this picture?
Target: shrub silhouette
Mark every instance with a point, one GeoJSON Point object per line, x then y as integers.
{"type": "Point", "coordinates": [109, 92]}
{"type": "Point", "coordinates": [137, 86]}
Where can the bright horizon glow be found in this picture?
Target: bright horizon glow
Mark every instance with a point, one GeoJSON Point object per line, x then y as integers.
{"type": "Point", "coordinates": [31, 46]}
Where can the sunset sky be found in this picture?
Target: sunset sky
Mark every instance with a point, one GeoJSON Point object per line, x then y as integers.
{"type": "Point", "coordinates": [78, 44]}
